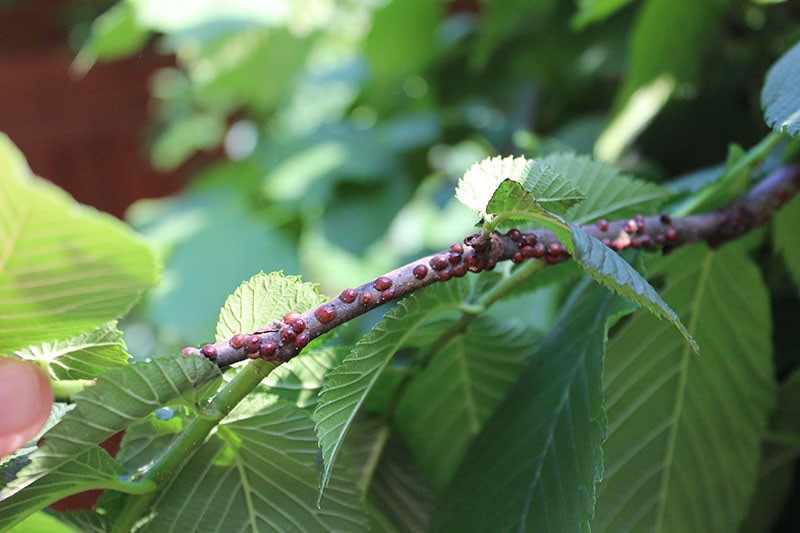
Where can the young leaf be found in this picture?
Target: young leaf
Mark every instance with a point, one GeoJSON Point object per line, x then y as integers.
{"type": "Point", "coordinates": [82, 357]}
{"type": "Point", "coordinates": [609, 193]}
{"type": "Point", "coordinates": [608, 268]}
{"type": "Point", "coordinates": [263, 298]}
{"type": "Point", "coordinates": [120, 397]}
{"type": "Point", "coordinates": [259, 472]}
{"type": "Point", "coordinates": [780, 96]}
{"type": "Point", "coordinates": [92, 469]}
{"type": "Point", "coordinates": [348, 385]}
{"type": "Point", "coordinates": [458, 391]}
{"type": "Point", "coordinates": [89, 267]}
{"type": "Point", "coordinates": [535, 464]}
{"type": "Point", "coordinates": [550, 190]}
{"type": "Point", "coordinates": [685, 432]}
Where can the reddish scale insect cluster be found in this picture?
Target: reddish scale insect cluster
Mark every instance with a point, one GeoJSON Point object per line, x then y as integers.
{"type": "Point", "coordinates": [530, 248]}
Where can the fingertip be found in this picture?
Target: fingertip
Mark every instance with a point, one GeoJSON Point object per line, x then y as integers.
{"type": "Point", "coordinates": [26, 399]}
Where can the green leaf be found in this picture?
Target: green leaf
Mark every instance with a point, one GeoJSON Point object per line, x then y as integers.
{"type": "Point", "coordinates": [64, 269]}
{"type": "Point", "coordinates": [685, 431]}
{"type": "Point", "coordinates": [348, 385]}
{"type": "Point", "coordinates": [92, 469]}
{"type": "Point", "coordinates": [667, 54]}
{"type": "Point", "coordinates": [262, 299]}
{"type": "Point", "coordinates": [399, 490]}
{"type": "Point", "coordinates": [780, 96]}
{"type": "Point", "coordinates": [481, 183]}
{"type": "Point", "coordinates": [537, 460]}
{"type": "Point", "coordinates": [590, 11]}
{"type": "Point", "coordinates": [43, 521]}
{"type": "Point", "coordinates": [414, 21]}
{"type": "Point", "coordinates": [120, 397]}
{"type": "Point", "coordinates": [458, 391]}
{"type": "Point", "coordinates": [146, 439]}
{"type": "Point", "coordinates": [114, 34]}
{"type": "Point", "coordinates": [612, 271]}
{"type": "Point", "coordinates": [262, 464]}
{"type": "Point", "coordinates": [300, 380]}
{"type": "Point", "coordinates": [82, 357]}
{"type": "Point", "coordinates": [778, 460]}
{"type": "Point", "coordinates": [787, 220]}
{"type": "Point", "coordinates": [609, 193]}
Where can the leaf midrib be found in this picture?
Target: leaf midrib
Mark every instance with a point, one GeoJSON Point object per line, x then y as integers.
{"type": "Point", "coordinates": [669, 455]}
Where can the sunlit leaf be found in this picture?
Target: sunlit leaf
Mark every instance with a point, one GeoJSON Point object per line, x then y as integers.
{"type": "Point", "coordinates": [480, 183]}
{"type": "Point", "coordinates": [81, 357]}
{"type": "Point", "coordinates": [64, 269]}
{"type": "Point", "coordinates": [262, 299]}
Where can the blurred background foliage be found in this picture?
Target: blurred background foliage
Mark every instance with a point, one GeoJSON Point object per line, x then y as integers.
{"type": "Point", "coordinates": [340, 127]}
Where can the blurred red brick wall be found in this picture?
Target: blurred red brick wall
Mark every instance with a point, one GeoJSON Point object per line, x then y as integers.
{"type": "Point", "coordinates": [84, 134]}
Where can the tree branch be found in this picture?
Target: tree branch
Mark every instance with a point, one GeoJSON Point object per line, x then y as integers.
{"type": "Point", "coordinates": [278, 342]}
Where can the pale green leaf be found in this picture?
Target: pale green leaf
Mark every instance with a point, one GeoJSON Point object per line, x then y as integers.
{"type": "Point", "coordinates": [611, 270]}
{"type": "Point", "coordinates": [347, 387]}
{"type": "Point", "coordinates": [537, 460]}
{"type": "Point", "coordinates": [92, 469]}
{"type": "Point", "coordinates": [780, 96]}
{"type": "Point", "coordinates": [120, 397]}
{"type": "Point", "coordinates": [82, 357]}
{"type": "Point", "coordinates": [262, 299]}
{"type": "Point", "coordinates": [64, 269]}
{"type": "Point", "coordinates": [787, 220]}
{"type": "Point", "coordinates": [262, 464]}
{"type": "Point", "coordinates": [550, 190]}
{"type": "Point", "coordinates": [610, 194]}
{"type": "Point", "coordinates": [458, 391]}
{"type": "Point", "coordinates": [45, 522]}
{"type": "Point", "coordinates": [685, 431]}
{"type": "Point", "coordinates": [114, 34]}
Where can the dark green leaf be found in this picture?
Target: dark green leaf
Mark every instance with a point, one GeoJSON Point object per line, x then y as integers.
{"type": "Point", "coordinates": [347, 387]}
{"type": "Point", "coordinates": [607, 267]}
{"type": "Point", "coordinates": [685, 431]}
{"type": "Point", "coordinates": [536, 462]}
{"type": "Point", "coordinates": [458, 391]}
{"type": "Point", "coordinates": [787, 220]}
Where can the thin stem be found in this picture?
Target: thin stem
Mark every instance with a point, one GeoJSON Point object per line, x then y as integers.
{"type": "Point", "coordinates": [65, 390]}
{"type": "Point", "coordinates": [191, 438]}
